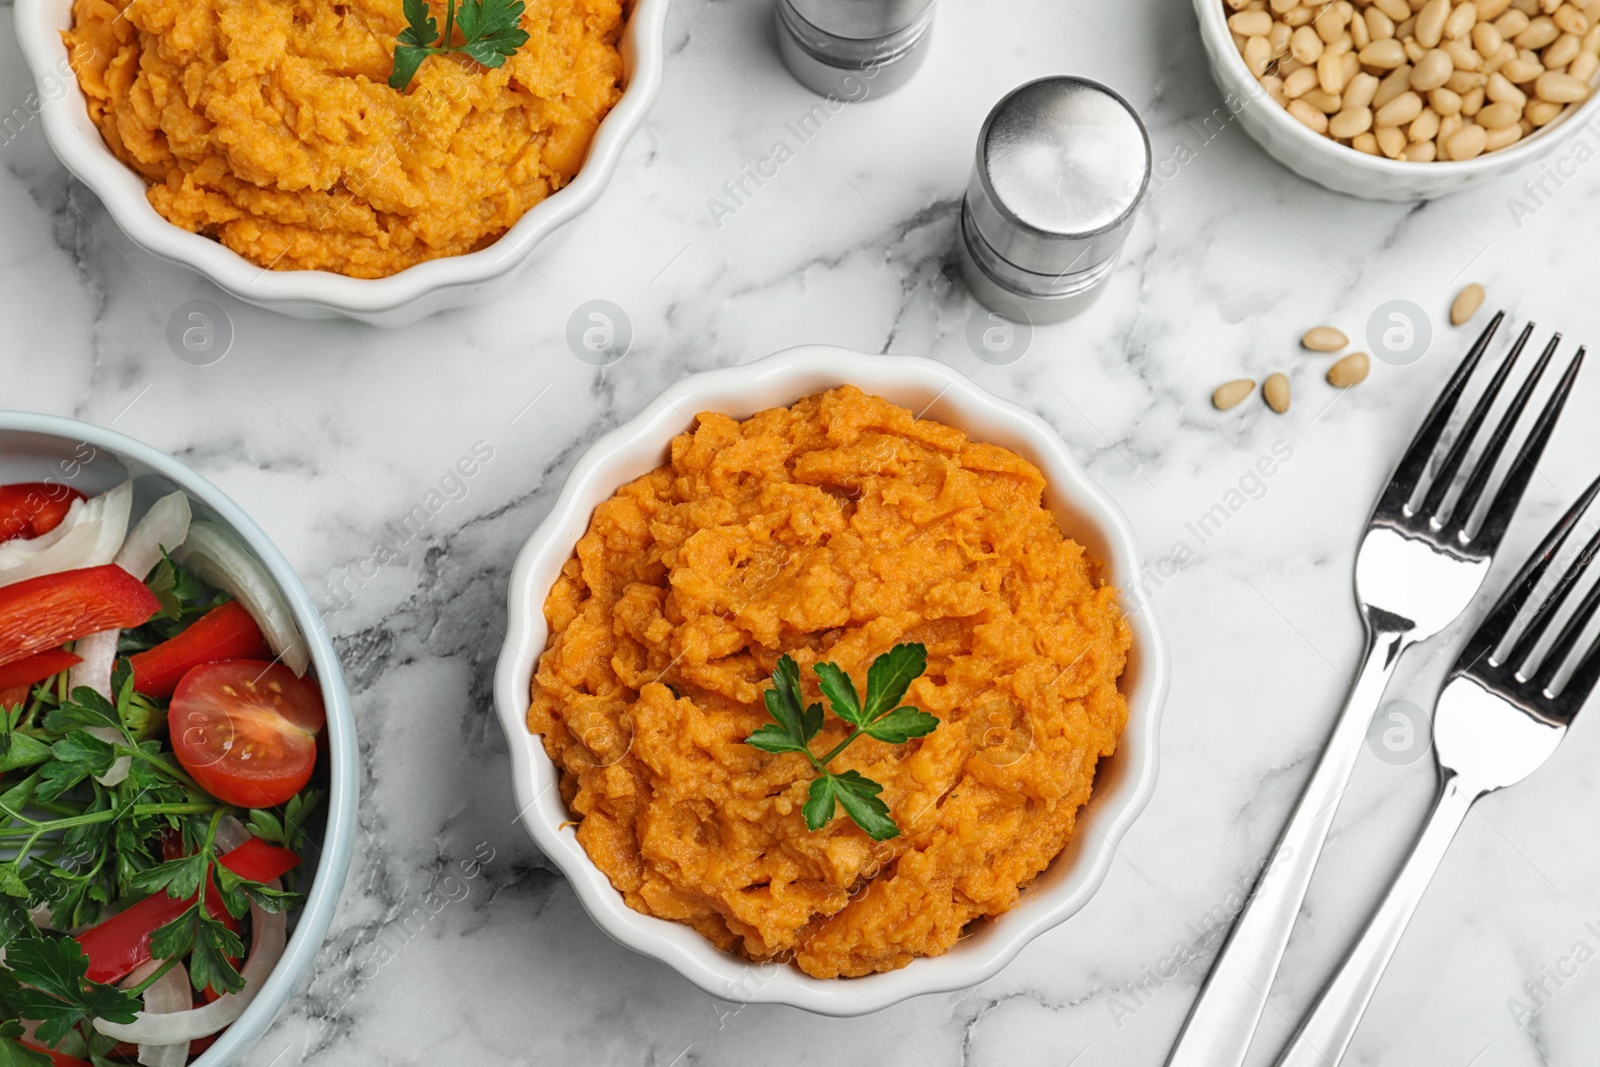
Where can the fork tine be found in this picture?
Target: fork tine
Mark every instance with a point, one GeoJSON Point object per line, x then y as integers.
{"type": "Point", "coordinates": [1567, 643]}
{"type": "Point", "coordinates": [1498, 518]}
{"type": "Point", "coordinates": [1414, 464]}
{"type": "Point", "coordinates": [1500, 620]}
{"type": "Point", "coordinates": [1544, 616]}
{"type": "Point", "coordinates": [1457, 455]}
{"type": "Point", "coordinates": [1461, 514]}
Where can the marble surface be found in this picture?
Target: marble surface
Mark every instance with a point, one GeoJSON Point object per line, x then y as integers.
{"type": "Point", "coordinates": [329, 432]}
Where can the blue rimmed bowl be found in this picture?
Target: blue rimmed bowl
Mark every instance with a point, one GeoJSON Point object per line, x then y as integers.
{"type": "Point", "coordinates": [46, 448]}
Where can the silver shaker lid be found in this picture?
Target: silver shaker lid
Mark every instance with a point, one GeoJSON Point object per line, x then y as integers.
{"type": "Point", "coordinates": [860, 19]}
{"type": "Point", "coordinates": [1063, 166]}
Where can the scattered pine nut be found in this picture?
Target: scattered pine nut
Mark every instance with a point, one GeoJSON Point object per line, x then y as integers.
{"type": "Point", "coordinates": [1276, 391]}
{"type": "Point", "coordinates": [1466, 305]}
{"type": "Point", "coordinates": [1324, 339]}
{"type": "Point", "coordinates": [1351, 370]}
{"type": "Point", "coordinates": [1230, 394]}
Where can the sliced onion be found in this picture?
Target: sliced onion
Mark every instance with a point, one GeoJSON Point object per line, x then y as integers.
{"type": "Point", "coordinates": [118, 772]}
{"type": "Point", "coordinates": [230, 834]}
{"type": "Point", "coordinates": [170, 1028]}
{"type": "Point", "coordinates": [89, 536]}
{"type": "Point", "coordinates": [169, 995]}
{"type": "Point", "coordinates": [164, 526]}
{"type": "Point", "coordinates": [97, 657]}
{"type": "Point", "coordinates": [217, 559]}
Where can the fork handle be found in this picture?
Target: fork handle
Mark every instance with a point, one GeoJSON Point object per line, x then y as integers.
{"type": "Point", "coordinates": [1224, 1018]}
{"type": "Point", "coordinates": [1325, 1034]}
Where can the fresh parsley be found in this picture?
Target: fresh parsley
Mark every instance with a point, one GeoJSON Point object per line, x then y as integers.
{"type": "Point", "coordinates": [880, 716]}
{"type": "Point", "coordinates": [490, 32]}
{"type": "Point", "coordinates": [53, 988]}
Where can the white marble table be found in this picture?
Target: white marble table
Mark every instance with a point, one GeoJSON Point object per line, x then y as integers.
{"type": "Point", "coordinates": [329, 433]}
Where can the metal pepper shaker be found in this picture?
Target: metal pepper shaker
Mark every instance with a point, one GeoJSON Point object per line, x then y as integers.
{"type": "Point", "coordinates": [853, 49]}
{"type": "Point", "coordinates": [1063, 166]}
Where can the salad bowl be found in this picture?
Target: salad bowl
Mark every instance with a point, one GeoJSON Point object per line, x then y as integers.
{"type": "Point", "coordinates": [57, 451]}
{"type": "Point", "coordinates": [1122, 786]}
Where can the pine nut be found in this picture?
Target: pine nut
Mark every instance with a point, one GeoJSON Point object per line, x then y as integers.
{"type": "Point", "coordinates": [1462, 55]}
{"type": "Point", "coordinates": [1401, 110]}
{"type": "Point", "coordinates": [1560, 88]}
{"type": "Point", "coordinates": [1380, 27]}
{"type": "Point", "coordinates": [1430, 23]}
{"type": "Point", "coordinates": [1540, 32]}
{"type": "Point", "coordinates": [1391, 141]}
{"type": "Point", "coordinates": [1349, 122]}
{"type": "Point", "coordinates": [1466, 304]}
{"type": "Point", "coordinates": [1360, 91]}
{"type": "Point", "coordinates": [1461, 21]}
{"type": "Point", "coordinates": [1360, 32]}
{"type": "Point", "coordinates": [1324, 101]}
{"type": "Point", "coordinates": [1397, 10]}
{"type": "Point", "coordinates": [1324, 339]}
{"type": "Point", "coordinates": [1541, 112]}
{"type": "Point", "coordinates": [1231, 394]}
{"type": "Point", "coordinates": [1420, 152]}
{"type": "Point", "coordinates": [1276, 391]}
{"type": "Point", "coordinates": [1498, 116]}
{"type": "Point", "coordinates": [1504, 137]}
{"type": "Point", "coordinates": [1305, 45]}
{"type": "Point", "coordinates": [1501, 90]}
{"type": "Point", "coordinates": [1425, 127]}
{"type": "Point", "coordinates": [1522, 71]}
{"type": "Point", "coordinates": [1251, 23]}
{"type": "Point", "coordinates": [1491, 9]}
{"type": "Point", "coordinates": [1472, 103]}
{"type": "Point", "coordinates": [1445, 101]}
{"type": "Point", "coordinates": [1385, 55]}
{"type": "Point", "coordinates": [1300, 82]}
{"type": "Point", "coordinates": [1351, 370]}
{"type": "Point", "coordinates": [1512, 23]}
{"type": "Point", "coordinates": [1468, 142]}
{"type": "Point", "coordinates": [1366, 142]}
{"type": "Point", "coordinates": [1432, 70]}
{"type": "Point", "coordinates": [1583, 68]}
{"type": "Point", "coordinates": [1309, 115]}
{"type": "Point", "coordinates": [1397, 82]}
{"type": "Point", "coordinates": [1486, 39]}
{"type": "Point", "coordinates": [1257, 55]}
{"type": "Point", "coordinates": [1330, 73]}
{"type": "Point", "coordinates": [1570, 20]}
{"type": "Point", "coordinates": [1563, 51]}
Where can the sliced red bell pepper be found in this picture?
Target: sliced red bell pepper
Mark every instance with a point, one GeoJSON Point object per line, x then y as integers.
{"type": "Point", "coordinates": [227, 632]}
{"type": "Point", "coordinates": [57, 1059]}
{"type": "Point", "coordinates": [52, 609]}
{"type": "Point", "coordinates": [33, 509]}
{"type": "Point", "coordinates": [36, 668]}
{"type": "Point", "coordinates": [122, 943]}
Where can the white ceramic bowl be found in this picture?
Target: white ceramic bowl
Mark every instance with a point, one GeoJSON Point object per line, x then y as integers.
{"type": "Point", "coordinates": [37, 448]}
{"type": "Point", "coordinates": [1123, 785]}
{"type": "Point", "coordinates": [398, 300]}
{"type": "Point", "coordinates": [1342, 168]}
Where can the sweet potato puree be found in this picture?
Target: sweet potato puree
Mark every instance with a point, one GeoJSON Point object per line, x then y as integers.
{"type": "Point", "coordinates": [831, 530]}
{"type": "Point", "coordinates": [269, 124]}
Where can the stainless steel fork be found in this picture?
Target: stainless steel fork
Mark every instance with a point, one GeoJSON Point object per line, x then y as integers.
{"type": "Point", "coordinates": [1417, 570]}
{"type": "Point", "coordinates": [1497, 721]}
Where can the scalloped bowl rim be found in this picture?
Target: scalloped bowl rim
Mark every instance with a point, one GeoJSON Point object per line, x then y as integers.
{"type": "Point", "coordinates": [338, 841]}
{"type": "Point", "coordinates": [639, 445]}
{"type": "Point", "coordinates": [78, 143]}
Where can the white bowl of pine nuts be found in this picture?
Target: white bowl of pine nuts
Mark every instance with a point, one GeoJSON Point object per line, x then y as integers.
{"type": "Point", "coordinates": [1408, 99]}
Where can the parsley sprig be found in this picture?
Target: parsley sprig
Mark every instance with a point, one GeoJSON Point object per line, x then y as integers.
{"type": "Point", "coordinates": [490, 32]}
{"type": "Point", "coordinates": [880, 716]}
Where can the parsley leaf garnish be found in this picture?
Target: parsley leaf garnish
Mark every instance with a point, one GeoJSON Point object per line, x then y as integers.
{"type": "Point", "coordinates": [55, 990]}
{"type": "Point", "coordinates": [490, 32]}
{"type": "Point", "coordinates": [879, 716]}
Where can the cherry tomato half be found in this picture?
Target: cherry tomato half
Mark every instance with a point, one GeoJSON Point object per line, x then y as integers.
{"type": "Point", "coordinates": [246, 730]}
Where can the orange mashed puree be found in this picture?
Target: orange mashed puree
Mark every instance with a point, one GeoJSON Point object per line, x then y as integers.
{"type": "Point", "coordinates": [831, 530]}
{"type": "Point", "coordinates": [269, 124]}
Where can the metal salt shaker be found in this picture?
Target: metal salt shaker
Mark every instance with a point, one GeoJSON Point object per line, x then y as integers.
{"type": "Point", "coordinates": [1063, 166]}
{"type": "Point", "coordinates": [853, 49]}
